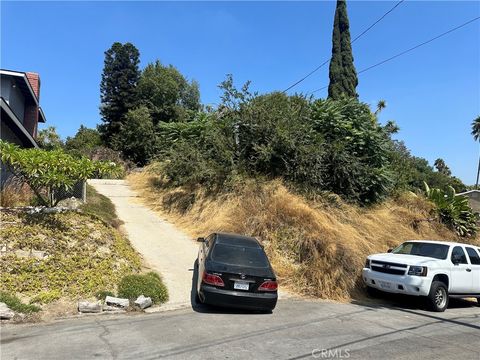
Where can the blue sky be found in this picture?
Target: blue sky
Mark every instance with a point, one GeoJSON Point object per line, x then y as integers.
{"type": "Point", "coordinates": [432, 93]}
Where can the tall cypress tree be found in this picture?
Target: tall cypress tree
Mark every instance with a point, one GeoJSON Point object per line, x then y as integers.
{"type": "Point", "coordinates": [343, 77]}
{"type": "Point", "coordinates": [118, 87]}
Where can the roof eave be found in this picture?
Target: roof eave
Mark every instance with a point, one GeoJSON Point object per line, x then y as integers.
{"type": "Point", "coordinates": [23, 75]}
{"type": "Point", "coordinates": [41, 116]}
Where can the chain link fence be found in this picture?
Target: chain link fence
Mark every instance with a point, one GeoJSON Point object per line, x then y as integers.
{"type": "Point", "coordinates": [78, 191]}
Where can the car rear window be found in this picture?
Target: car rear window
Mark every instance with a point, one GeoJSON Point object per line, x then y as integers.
{"type": "Point", "coordinates": [437, 251]}
{"type": "Point", "coordinates": [240, 256]}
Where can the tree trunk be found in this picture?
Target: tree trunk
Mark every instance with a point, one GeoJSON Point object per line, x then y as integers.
{"type": "Point", "coordinates": [478, 173]}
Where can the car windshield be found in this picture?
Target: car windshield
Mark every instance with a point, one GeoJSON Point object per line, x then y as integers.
{"type": "Point", "coordinates": [437, 251]}
{"type": "Point", "coordinates": [240, 256]}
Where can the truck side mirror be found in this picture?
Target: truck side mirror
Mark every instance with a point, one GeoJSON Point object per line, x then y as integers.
{"type": "Point", "coordinates": [389, 250]}
{"type": "Point", "coordinates": [201, 239]}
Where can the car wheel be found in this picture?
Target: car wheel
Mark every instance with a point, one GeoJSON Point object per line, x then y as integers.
{"type": "Point", "coordinates": [438, 297]}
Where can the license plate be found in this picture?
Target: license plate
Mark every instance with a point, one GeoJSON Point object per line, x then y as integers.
{"type": "Point", "coordinates": [385, 285]}
{"type": "Point", "coordinates": [239, 285]}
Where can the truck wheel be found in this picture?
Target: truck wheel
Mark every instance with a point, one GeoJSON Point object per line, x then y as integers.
{"type": "Point", "coordinates": [438, 297]}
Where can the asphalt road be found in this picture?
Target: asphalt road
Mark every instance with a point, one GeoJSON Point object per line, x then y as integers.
{"type": "Point", "coordinates": [297, 329]}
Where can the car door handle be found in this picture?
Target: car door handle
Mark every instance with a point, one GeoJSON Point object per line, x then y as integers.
{"type": "Point", "coordinates": [468, 270]}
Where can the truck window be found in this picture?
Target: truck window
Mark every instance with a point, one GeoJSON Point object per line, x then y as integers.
{"type": "Point", "coordinates": [458, 251]}
{"type": "Point", "coordinates": [473, 255]}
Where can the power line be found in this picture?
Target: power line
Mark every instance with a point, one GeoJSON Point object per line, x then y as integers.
{"type": "Point", "coordinates": [408, 50]}
{"type": "Point", "coordinates": [356, 38]}
{"type": "Point", "coordinates": [376, 22]}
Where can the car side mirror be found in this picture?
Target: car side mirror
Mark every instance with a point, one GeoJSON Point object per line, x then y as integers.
{"type": "Point", "coordinates": [456, 259]}
{"type": "Point", "coordinates": [201, 239]}
{"type": "Point", "coordinates": [389, 250]}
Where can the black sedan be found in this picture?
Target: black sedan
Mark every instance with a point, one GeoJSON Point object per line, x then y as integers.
{"type": "Point", "coordinates": [234, 271]}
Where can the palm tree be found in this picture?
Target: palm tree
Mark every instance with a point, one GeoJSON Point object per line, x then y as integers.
{"type": "Point", "coordinates": [382, 104]}
{"type": "Point", "coordinates": [476, 137]}
{"type": "Point", "coordinates": [442, 167]}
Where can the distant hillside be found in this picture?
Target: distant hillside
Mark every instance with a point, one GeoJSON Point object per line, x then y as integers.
{"type": "Point", "coordinates": [317, 247]}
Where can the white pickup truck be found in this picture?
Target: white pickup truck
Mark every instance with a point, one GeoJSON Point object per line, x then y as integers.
{"type": "Point", "coordinates": [435, 269]}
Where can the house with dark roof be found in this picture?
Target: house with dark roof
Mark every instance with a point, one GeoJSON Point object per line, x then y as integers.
{"type": "Point", "coordinates": [20, 111]}
{"type": "Point", "coordinates": [20, 107]}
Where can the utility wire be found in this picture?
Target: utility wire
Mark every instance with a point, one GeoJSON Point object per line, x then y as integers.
{"type": "Point", "coordinates": [355, 39]}
{"type": "Point", "coordinates": [408, 50]}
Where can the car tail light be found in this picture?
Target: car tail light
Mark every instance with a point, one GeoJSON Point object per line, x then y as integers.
{"type": "Point", "coordinates": [268, 286]}
{"type": "Point", "coordinates": [211, 279]}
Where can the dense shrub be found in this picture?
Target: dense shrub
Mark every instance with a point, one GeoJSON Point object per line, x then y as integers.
{"type": "Point", "coordinates": [197, 152]}
{"type": "Point", "coordinates": [356, 149]}
{"type": "Point", "coordinates": [276, 138]}
{"type": "Point", "coordinates": [323, 145]}
{"type": "Point", "coordinates": [149, 285]}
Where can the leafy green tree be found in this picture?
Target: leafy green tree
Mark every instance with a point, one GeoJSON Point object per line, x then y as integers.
{"type": "Point", "coordinates": [84, 142]}
{"type": "Point", "coordinates": [48, 139]}
{"type": "Point", "coordinates": [50, 170]}
{"type": "Point", "coordinates": [411, 172]}
{"type": "Point", "coordinates": [343, 76]}
{"type": "Point", "coordinates": [476, 137]}
{"type": "Point", "coordinates": [136, 138]}
{"type": "Point", "coordinates": [167, 93]}
{"type": "Point", "coordinates": [118, 87]}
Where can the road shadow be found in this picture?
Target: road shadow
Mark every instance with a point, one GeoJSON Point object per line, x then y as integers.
{"type": "Point", "coordinates": [210, 309]}
{"type": "Point", "coordinates": [400, 301]}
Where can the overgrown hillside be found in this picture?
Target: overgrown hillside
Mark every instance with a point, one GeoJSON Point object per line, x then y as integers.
{"type": "Point", "coordinates": [317, 247]}
{"type": "Point", "coordinates": [71, 254]}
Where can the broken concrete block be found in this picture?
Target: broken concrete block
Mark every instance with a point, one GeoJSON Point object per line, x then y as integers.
{"type": "Point", "coordinates": [143, 302]}
{"type": "Point", "coordinates": [118, 302]}
{"type": "Point", "coordinates": [89, 307]}
{"type": "Point", "coordinates": [5, 312]}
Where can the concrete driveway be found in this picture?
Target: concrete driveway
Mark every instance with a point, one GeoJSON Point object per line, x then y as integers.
{"type": "Point", "coordinates": [297, 329]}
{"type": "Point", "coordinates": [164, 248]}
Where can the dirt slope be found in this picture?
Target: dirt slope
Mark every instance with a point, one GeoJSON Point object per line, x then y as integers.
{"type": "Point", "coordinates": [317, 247]}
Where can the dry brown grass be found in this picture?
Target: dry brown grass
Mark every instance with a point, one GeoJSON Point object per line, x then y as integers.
{"type": "Point", "coordinates": [15, 193]}
{"type": "Point", "coordinates": [317, 248]}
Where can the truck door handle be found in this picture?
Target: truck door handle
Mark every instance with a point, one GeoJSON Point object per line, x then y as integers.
{"type": "Point", "coordinates": [468, 270]}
